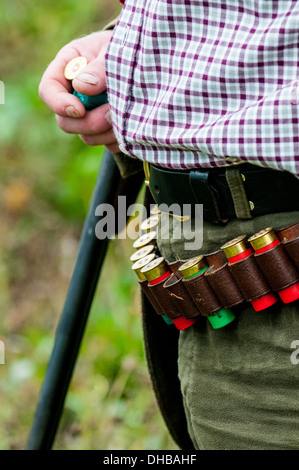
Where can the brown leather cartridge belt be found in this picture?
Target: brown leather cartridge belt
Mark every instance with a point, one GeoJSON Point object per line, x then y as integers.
{"type": "Point", "coordinates": [267, 191]}
{"type": "Point", "coordinates": [227, 285]}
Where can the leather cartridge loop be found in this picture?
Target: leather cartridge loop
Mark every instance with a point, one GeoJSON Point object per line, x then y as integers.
{"type": "Point", "coordinates": [170, 308]}
{"type": "Point", "coordinates": [180, 296]}
{"type": "Point", "coordinates": [226, 284]}
{"type": "Point", "coordinates": [151, 297]}
{"type": "Point", "coordinates": [277, 267]}
{"type": "Point", "coordinates": [202, 294]}
{"type": "Point", "coordinates": [288, 233]}
{"type": "Point", "coordinates": [217, 259]}
{"type": "Point", "coordinates": [289, 237]}
{"type": "Point", "coordinates": [223, 283]}
{"type": "Point", "coordinates": [174, 267]}
{"type": "Point", "coordinates": [249, 278]}
{"type": "Point", "coordinates": [292, 248]}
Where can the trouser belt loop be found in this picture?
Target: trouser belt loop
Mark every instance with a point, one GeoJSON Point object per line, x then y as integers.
{"type": "Point", "coordinates": [235, 182]}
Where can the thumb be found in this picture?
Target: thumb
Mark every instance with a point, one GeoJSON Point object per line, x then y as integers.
{"type": "Point", "coordinates": [92, 79]}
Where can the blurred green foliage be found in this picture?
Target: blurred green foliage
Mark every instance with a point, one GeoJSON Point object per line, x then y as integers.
{"type": "Point", "coordinates": [46, 182]}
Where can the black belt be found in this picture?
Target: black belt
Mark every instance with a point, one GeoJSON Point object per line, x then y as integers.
{"type": "Point", "coordinates": [268, 191]}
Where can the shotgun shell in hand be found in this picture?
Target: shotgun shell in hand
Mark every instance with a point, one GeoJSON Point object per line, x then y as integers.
{"type": "Point", "coordinates": [92, 101]}
{"type": "Point", "coordinates": [72, 69]}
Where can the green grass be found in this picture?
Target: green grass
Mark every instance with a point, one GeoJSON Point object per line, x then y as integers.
{"type": "Point", "coordinates": [46, 182]}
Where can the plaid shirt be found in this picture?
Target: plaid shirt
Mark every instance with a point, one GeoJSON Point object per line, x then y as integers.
{"type": "Point", "coordinates": [196, 83]}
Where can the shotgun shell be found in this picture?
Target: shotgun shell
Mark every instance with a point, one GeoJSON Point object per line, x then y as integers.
{"type": "Point", "coordinates": [142, 252]}
{"type": "Point", "coordinates": [92, 101]}
{"type": "Point", "coordinates": [264, 241]}
{"type": "Point", "coordinates": [238, 249]}
{"type": "Point", "coordinates": [72, 69]}
{"type": "Point", "coordinates": [145, 239]}
{"type": "Point", "coordinates": [149, 224]}
{"type": "Point", "coordinates": [137, 267]}
{"type": "Point", "coordinates": [139, 264]}
{"type": "Point", "coordinates": [192, 268]}
{"type": "Point", "coordinates": [157, 271]}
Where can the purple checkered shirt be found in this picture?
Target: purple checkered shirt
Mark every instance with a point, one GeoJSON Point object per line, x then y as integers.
{"type": "Point", "coordinates": [196, 83]}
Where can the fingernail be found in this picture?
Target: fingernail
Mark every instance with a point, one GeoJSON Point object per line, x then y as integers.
{"type": "Point", "coordinates": [72, 112]}
{"type": "Point", "coordinates": [108, 117]}
{"type": "Point", "coordinates": [88, 78]}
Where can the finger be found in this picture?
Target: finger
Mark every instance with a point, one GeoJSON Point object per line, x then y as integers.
{"type": "Point", "coordinates": [94, 122]}
{"type": "Point", "coordinates": [62, 102]}
{"type": "Point", "coordinates": [92, 78]}
{"type": "Point", "coordinates": [56, 91]}
{"type": "Point", "coordinates": [114, 148]}
{"type": "Point", "coordinates": [107, 138]}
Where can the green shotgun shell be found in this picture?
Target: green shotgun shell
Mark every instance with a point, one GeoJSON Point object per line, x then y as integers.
{"type": "Point", "coordinates": [192, 268]}
{"type": "Point", "coordinates": [223, 317]}
{"type": "Point", "coordinates": [92, 101]}
{"type": "Point", "coordinates": [167, 320]}
{"type": "Point", "coordinates": [72, 69]}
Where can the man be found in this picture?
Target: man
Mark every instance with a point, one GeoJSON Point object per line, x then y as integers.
{"type": "Point", "coordinates": [210, 88]}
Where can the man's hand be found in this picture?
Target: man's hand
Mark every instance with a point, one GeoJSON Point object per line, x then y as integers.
{"type": "Point", "coordinates": [94, 127]}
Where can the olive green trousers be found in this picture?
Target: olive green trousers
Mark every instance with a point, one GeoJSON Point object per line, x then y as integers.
{"type": "Point", "coordinates": [239, 386]}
